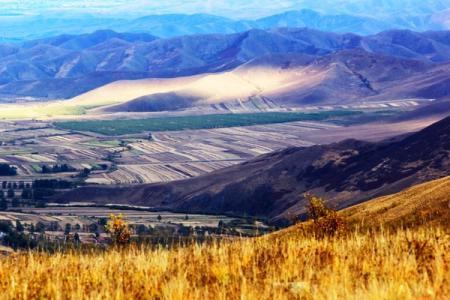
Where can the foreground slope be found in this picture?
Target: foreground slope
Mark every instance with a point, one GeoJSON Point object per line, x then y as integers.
{"type": "Point", "coordinates": [272, 185]}
{"type": "Point", "coordinates": [405, 263]}
{"type": "Point", "coordinates": [382, 265]}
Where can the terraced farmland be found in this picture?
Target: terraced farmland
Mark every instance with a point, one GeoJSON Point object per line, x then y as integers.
{"type": "Point", "coordinates": [168, 155]}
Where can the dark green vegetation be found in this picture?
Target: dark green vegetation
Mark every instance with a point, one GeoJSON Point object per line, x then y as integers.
{"type": "Point", "coordinates": [35, 194]}
{"type": "Point", "coordinates": [7, 170]}
{"type": "Point", "coordinates": [57, 169]}
{"type": "Point", "coordinates": [121, 127]}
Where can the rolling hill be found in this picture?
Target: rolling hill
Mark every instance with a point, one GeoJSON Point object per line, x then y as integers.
{"type": "Point", "coordinates": [272, 185]}
{"type": "Point", "coordinates": [427, 202]}
{"type": "Point", "coordinates": [345, 77]}
{"type": "Point", "coordinates": [66, 66]}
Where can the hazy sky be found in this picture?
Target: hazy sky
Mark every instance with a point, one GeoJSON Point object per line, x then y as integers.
{"type": "Point", "coordinates": [237, 8]}
{"type": "Point", "coordinates": [229, 8]}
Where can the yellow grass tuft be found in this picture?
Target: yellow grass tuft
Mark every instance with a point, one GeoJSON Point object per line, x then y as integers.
{"type": "Point", "coordinates": [405, 264]}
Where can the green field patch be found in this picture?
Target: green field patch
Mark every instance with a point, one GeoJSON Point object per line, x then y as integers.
{"type": "Point", "coordinates": [36, 168]}
{"type": "Point", "coordinates": [133, 126]}
{"type": "Point", "coordinates": [104, 144]}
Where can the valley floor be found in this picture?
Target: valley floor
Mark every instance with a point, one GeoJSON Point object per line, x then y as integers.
{"type": "Point", "coordinates": [167, 156]}
{"type": "Point", "coordinates": [404, 264]}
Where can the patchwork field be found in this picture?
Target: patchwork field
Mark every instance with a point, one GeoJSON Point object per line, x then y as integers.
{"type": "Point", "coordinates": [159, 155]}
{"type": "Point", "coordinates": [88, 215]}
{"type": "Point", "coordinates": [166, 156]}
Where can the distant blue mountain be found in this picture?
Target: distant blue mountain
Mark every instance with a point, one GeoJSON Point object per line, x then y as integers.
{"type": "Point", "coordinates": [164, 26]}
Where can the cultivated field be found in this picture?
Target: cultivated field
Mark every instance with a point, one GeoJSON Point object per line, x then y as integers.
{"type": "Point", "coordinates": [167, 155]}
{"type": "Point", "coordinates": [405, 264]}
{"type": "Point", "coordinates": [174, 155]}
{"type": "Point", "coordinates": [89, 215]}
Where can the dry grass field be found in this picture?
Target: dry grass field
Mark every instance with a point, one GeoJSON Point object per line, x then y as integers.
{"type": "Point", "coordinates": [428, 202]}
{"type": "Point", "coordinates": [361, 262]}
{"type": "Point", "coordinates": [405, 264]}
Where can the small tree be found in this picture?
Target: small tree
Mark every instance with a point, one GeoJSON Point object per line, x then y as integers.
{"type": "Point", "coordinates": [93, 227]}
{"type": "Point", "coordinates": [221, 224]}
{"type": "Point", "coordinates": [15, 202]}
{"type": "Point", "coordinates": [67, 229]}
{"type": "Point", "coordinates": [27, 193]}
{"type": "Point", "coordinates": [40, 227]}
{"type": "Point", "coordinates": [19, 226]}
{"type": "Point", "coordinates": [119, 230]}
{"type": "Point", "coordinates": [316, 207]}
{"type": "Point", "coordinates": [102, 221]}
{"type": "Point", "coordinates": [141, 229]}
{"type": "Point", "coordinates": [3, 204]}
{"type": "Point", "coordinates": [76, 238]}
{"type": "Point", "coordinates": [11, 193]}
{"type": "Point", "coordinates": [159, 218]}
{"type": "Point", "coordinates": [6, 226]}
{"type": "Point", "coordinates": [326, 221]}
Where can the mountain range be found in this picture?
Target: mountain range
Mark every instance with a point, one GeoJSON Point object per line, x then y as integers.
{"type": "Point", "coordinates": [272, 186]}
{"type": "Point", "coordinates": [361, 17]}
{"type": "Point", "coordinates": [68, 65]}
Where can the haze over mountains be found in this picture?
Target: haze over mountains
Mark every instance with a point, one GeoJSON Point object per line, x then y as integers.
{"type": "Point", "coordinates": [66, 66]}
{"type": "Point", "coordinates": [31, 20]}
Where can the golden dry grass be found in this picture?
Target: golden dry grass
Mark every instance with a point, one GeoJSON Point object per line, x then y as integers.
{"type": "Point", "coordinates": [428, 203]}
{"type": "Point", "coordinates": [411, 263]}
{"type": "Point", "coordinates": [405, 264]}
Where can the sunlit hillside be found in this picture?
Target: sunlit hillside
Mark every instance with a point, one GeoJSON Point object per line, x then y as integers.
{"type": "Point", "coordinates": [428, 202]}
{"type": "Point", "coordinates": [411, 263]}
{"type": "Point", "coordinates": [205, 89]}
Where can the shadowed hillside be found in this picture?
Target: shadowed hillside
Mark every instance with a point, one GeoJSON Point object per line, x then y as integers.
{"type": "Point", "coordinates": [271, 185]}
